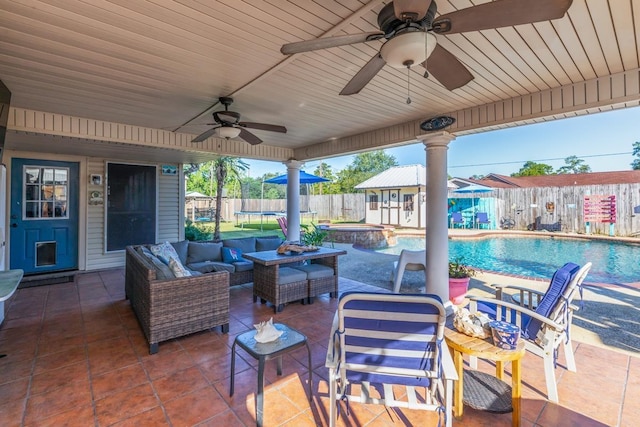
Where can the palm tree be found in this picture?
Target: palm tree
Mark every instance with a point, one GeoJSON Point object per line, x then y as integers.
{"type": "Point", "coordinates": [223, 166]}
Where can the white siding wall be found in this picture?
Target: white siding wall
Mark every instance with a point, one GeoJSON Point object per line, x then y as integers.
{"type": "Point", "coordinates": [170, 219]}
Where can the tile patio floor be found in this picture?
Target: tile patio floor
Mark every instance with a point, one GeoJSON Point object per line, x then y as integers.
{"type": "Point", "coordinates": [76, 356]}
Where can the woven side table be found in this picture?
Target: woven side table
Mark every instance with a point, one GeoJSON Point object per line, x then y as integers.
{"type": "Point", "coordinates": [485, 392]}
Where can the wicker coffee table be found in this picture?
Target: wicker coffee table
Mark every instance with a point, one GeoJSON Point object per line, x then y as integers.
{"type": "Point", "coordinates": [290, 340]}
{"type": "Point", "coordinates": [484, 391]}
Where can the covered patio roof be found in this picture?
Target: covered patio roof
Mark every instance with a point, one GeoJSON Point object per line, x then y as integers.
{"type": "Point", "coordinates": [135, 80]}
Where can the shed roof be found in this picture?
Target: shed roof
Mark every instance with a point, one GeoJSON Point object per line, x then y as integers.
{"type": "Point", "coordinates": [399, 176]}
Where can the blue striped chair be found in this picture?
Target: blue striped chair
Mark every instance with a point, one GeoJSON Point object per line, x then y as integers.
{"type": "Point", "coordinates": [547, 327]}
{"type": "Point", "coordinates": [382, 341]}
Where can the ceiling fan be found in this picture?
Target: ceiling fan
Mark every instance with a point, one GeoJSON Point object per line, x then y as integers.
{"type": "Point", "coordinates": [409, 26]}
{"type": "Point", "coordinates": [228, 125]}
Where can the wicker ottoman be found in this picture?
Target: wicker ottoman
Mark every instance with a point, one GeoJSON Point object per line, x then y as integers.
{"type": "Point", "coordinates": [279, 286]}
{"type": "Point", "coordinates": [321, 280]}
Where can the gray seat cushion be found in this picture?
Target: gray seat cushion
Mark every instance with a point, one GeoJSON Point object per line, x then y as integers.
{"type": "Point", "coordinates": [268, 243]}
{"type": "Point", "coordinates": [290, 275]}
{"type": "Point", "coordinates": [245, 244]}
{"type": "Point", "coordinates": [316, 271]}
{"type": "Point", "coordinates": [243, 265]}
{"type": "Point", "coordinates": [209, 266]}
{"type": "Point", "coordinates": [204, 251]}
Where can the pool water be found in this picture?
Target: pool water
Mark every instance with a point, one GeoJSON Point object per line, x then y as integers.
{"type": "Point", "coordinates": [613, 262]}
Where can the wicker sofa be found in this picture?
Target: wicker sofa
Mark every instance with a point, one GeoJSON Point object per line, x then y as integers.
{"type": "Point", "coordinates": [173, 307]}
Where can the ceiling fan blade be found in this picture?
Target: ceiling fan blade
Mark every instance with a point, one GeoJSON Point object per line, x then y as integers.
{"type": "Point", "coordinates": [326, 42]}
{"type": "Point", "coordinates": [364, 76]}
{"type": "Point", "coordinates": [263, 126]}
{"type": "Point", "coordinates": [414, 10]}
{"type": "Point", "coordinates": [249, 137]}
{"type": "Point", "coordinates": [497, 14]}
{"type": "Point", "coordinates": [205, 135]}
{"type": "Point", "coordinates": [447, 69]}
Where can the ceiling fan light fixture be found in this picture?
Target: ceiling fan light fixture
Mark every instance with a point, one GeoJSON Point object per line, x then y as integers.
{"type": "Point", "coordinates": [409, 48]}
{"type": "Point", "coordinates": [228, 132]}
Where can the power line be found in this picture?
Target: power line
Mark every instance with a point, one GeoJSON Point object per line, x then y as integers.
{"type": "Point", "coordinates": [539, 160]}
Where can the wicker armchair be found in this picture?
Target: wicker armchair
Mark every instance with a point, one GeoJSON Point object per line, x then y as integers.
{"type": "Point", "coordinates": [176, 307]}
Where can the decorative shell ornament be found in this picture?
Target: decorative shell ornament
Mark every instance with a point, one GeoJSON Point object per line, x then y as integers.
{"type": "Point", "coordinates": [472, 324]}
{"type": "Point", "coordinates": [267, 332]}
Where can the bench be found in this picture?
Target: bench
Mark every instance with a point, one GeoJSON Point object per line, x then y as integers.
{"type": "Point", "coordinates": [9, 281]}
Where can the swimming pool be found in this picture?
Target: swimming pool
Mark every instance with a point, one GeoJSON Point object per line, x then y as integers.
{"type": "Point", "coordinates": [539, 257]}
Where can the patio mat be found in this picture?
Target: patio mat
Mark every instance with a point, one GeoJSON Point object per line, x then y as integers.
{"type": "Point", "coordinates": [486, 392]}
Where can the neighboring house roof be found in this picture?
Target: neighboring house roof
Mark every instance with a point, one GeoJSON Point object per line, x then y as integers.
{"type": "Point", "coordinates": [196, 195]}
{"type": "Point", "coordinates": [561, 180]}
{"type": "Point", "coordinates": [396, 177]}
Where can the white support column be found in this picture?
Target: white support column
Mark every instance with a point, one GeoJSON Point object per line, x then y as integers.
{"type": "Point", "coordinates": [436, 238]}
{"type": "Point", "coordinates": [293, 199]}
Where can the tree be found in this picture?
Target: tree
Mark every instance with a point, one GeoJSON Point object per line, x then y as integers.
{"type": "Point", "coordinates": [323, 170]}
{"type": "Point", "coordinates": [635, 165]}
{"type": "Point", "coordinates": [223, 166]}
{"type": "Point", "coordinates": [574, 165]}
{"type": "Point", "coordinates": [534, 169]}
{"type": "Point", "coordinates": [363, 167]}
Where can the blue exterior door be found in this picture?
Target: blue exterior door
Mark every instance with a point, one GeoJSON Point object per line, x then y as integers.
{"type": "Point", "coordinates": [44, 215]}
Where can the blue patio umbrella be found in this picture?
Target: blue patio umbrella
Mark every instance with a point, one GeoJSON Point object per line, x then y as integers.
{"type": "Point", "coordinates": [473, 189]}
{"type": "Point", "coordinates": [305, 178]}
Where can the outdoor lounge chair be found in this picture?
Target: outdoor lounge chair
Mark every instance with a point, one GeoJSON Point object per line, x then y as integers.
{"type": "Point", "coordinates": [383, 344]}
{"type": "Point", "coordinates": [548, 327]}
{"type": "Point", "coordinates": [409, 260]}
{"type": "Point", "coordinates": [482, 219]}
{"type": "Point", "coordinates": [457, 219]}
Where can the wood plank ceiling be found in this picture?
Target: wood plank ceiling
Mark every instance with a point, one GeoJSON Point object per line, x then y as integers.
{"type": "Point", "coordinates": [160, 64]}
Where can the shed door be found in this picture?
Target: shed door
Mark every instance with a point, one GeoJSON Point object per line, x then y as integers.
{"type": "Point", "coordinates": [44, 215]}
{"type": "Point", "coordinates": [390, 209]}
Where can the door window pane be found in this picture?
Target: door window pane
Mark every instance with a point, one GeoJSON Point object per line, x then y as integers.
{"type": "Point", "coordinates": [45, 192]}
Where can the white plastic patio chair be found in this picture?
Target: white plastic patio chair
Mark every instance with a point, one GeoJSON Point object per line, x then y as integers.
{"type": "Point", "coordinates": [409, 260]}
{"type": "Point", "coordinates": [388, 349]}
{"type": "Point", "coordinates": [548, 327]}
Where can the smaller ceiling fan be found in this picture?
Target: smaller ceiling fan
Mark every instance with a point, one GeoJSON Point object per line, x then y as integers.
{"type": "Point", "coordinates": [228, 125]}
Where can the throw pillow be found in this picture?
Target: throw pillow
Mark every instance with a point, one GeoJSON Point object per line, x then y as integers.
{"type": "Point", "coordinates": [231, 255]}
{"type": "Point", "coordinates": [178, 269]}
{"type": "Point", "coordinates": [165, 251]}
{"type": "Point", "coordinates": [181, 249]}
{"type": "Point", "coordinates": [200, 252]}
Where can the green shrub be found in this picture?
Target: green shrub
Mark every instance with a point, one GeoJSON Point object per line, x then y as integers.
{"type": "Point", "coordinates": [194, 232]}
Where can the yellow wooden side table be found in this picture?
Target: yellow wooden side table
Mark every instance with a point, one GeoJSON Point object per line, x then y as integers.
{"type": "Point", "coordinates": [460, 344]}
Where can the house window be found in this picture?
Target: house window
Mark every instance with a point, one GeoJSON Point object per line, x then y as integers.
{"type": "Point", "coordinates": [373, 202]}
{"type": "Point", "coordinates": [408, 202]}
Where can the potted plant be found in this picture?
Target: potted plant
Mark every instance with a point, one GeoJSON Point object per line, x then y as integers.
{"type": "Point", "coordinates": [459, 276]}
{"type": "Point", "coordinates": [313, 237]}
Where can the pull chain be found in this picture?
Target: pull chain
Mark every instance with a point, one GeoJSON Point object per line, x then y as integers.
{"type": "Point", "coordinates": [408, 85]}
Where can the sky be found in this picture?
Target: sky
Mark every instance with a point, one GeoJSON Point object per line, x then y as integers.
{"type": "Point", "coordinates": [603, 140]}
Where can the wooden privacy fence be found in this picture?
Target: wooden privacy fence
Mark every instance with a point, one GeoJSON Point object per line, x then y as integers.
{"type": "Point", "coordinates": [562, 208]}
{"type": "Point", "coordinates": [329, 207]}
{"type": "Point", "coordinates": [540, 208]}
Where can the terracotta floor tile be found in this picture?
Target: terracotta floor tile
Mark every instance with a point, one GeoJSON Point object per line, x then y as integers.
{"type": "Point", "coordinates": [180, 383]}
{"type": "Point", "coordinates": [61, 358]}
{"type": "Point", "coordinates": [162, 363]}
{"type": "Point", "coordinates": [125, 404]}
{"type": "Point", "coordinates": [118, 380]}
{"type": "Point", "coordinates": [72, 418]}
{"type": "Point", "coordinates": [14, 390]}
{"type": "Point", "coordinates": [202, 405]}
{"type": "Point", "coordinates": [44, 405]}
{"type": "Point", "coordinates": [60, 377]}
{"type": "Point", "coordinates": [154, 417]}
{"type": "Point", "coordinates": [12, 412]}
{"type": "Point", "coordinates": [70, 331]}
